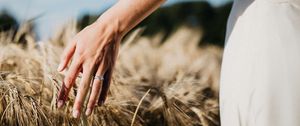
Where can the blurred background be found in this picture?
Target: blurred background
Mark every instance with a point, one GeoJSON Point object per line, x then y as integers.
{"type": "Point", "coordinates": [174, 57]}
{"type": "Point", "coordinates": [47, 17]}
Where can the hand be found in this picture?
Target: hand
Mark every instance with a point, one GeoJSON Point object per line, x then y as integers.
{"type": "Point", "coordinates": [93, 52]}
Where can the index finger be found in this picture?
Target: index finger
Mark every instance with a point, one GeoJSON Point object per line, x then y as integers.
{"type": "Point", "coordinates": [67, 55]}
{"type": "Point", "coordinates": [68, 82]}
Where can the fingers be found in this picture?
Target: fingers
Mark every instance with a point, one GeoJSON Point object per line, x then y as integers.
{"type": "Point", "coordinates": [68, 82]}
{"type": "Point", "coordinates": [110, 59]}
{"type": "Point", "coordinates": [82, 91]}
{"type": "Point", "coordinates": [96, 89]}
{"type": "Point", "coordinates": [105, 87]}
{"type": "Point", "coordinates": [99, 89]}
{"type": "Point", "coordinates": [67, 55]}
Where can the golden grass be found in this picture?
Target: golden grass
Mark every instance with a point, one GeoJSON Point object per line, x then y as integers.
{"type": "Point", "coordinates": [180, 77]}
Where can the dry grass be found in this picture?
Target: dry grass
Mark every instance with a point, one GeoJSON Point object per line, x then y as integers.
{"type": "Point", "coordinates": [181, 80]}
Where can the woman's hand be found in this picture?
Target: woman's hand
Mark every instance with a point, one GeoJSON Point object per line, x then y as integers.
{"type": "Point", "coordinates": [93, 51]}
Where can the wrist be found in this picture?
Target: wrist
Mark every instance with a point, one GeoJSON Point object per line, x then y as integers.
{"type": "Point", "coordinates": [111, 23]}
{"type": "Point", "coordinates": [107, 32]}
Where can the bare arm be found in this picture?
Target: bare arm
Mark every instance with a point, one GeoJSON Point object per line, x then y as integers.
{"type": "Point", "coordinates": [128, 13]}
{"type": "Point", "coordinates": [94, 49]}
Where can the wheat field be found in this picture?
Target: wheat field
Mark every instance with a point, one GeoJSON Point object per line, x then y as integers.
{"type": "Point", "coordinates": [155, 82]}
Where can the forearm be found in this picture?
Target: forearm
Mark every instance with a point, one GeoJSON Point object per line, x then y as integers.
{"type": "Point", "coordinates": [126, 14]}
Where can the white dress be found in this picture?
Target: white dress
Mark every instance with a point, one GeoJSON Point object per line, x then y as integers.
{"type": "Point", "coordinates": [260, 76]}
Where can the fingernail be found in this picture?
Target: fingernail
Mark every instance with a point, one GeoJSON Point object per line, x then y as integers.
{"type": "Point", "coordinates": [88, 112]}
{"type": "Point", "coordinates": [75, 113]}
{"type": "Point", "coordinates": [59, 67]}
{"type": "Point", "coordinates": [60, 103]}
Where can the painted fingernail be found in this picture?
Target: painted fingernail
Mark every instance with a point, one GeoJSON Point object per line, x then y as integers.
{"type": "Point", "coordinates": [88, 112]}
{"type": "Point", "coordinates": [60, 103]}
{"type": "Point", "coordinates": [76, 113]}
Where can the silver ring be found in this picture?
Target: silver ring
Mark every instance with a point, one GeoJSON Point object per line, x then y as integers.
{"type": "Point", "coordinates": [101, 78]}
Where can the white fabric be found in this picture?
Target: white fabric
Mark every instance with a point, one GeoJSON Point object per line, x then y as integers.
{"type": "Point", "coordinates": [260, 76]}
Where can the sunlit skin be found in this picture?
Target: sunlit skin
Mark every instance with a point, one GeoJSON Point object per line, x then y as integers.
{"type": "Point", "coordinates": [94, 49]}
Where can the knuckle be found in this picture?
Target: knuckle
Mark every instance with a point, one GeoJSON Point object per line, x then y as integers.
{"type": "Point", "coordinates": [92, 103]}
{"type": "Point", "coordinates": [77, 104]}
{"type": "Point", "coordinates": [80, 52]}
{"type": "Point", "coordinates": [78, 59]}
{"type": "Point", "coordinates": [68, 80]}
{"type": "Point", "coordinates": [89, 65]}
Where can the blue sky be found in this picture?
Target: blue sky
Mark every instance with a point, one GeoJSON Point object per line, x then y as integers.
{"type": "Point", "coordinates": [56, 13]}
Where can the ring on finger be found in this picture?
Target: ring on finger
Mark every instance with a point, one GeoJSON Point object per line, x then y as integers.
{"type": "Point", "coordinates": [101, 78]}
